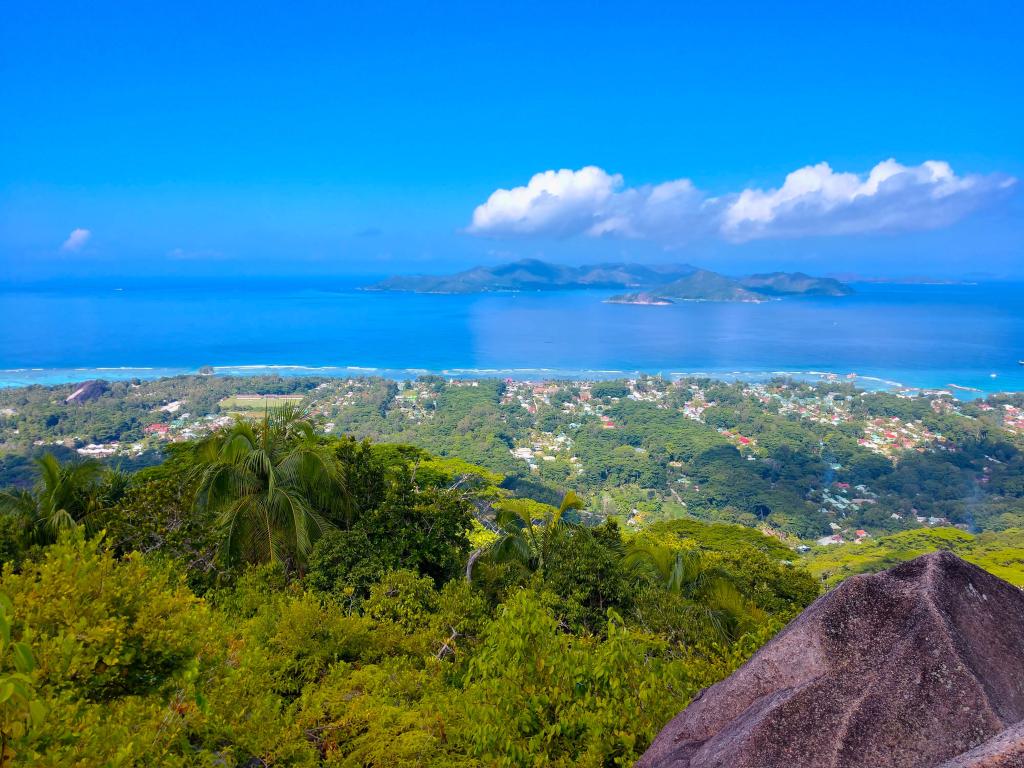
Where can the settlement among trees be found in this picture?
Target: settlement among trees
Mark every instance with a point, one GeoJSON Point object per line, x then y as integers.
{"type": "Point", "coordinates": [271, 590]}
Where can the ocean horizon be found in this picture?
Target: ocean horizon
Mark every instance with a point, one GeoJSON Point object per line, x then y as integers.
{"type": "Point", "coordinates": [968, 337]}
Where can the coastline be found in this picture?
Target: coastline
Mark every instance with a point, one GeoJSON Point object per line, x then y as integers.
{"type": "Point", "coordinates": [922, 337]}
{"type": "Point", "coordinates": [902, 382]}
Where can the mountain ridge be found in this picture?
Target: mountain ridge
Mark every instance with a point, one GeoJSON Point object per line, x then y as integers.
{"type": "Point", "coordinates": [535, 274]}
{"type": "Point", "coordinates": [657, 284]}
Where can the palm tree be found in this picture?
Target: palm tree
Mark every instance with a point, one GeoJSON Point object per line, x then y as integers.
{"type": "Point", "coordinates": [712, 598]}
{"type": "Point", "coordinates": [64, 496]}
{"type": "Point", "coordinates": [273, 487]}
{"type": "Point", "coordinates": [527, 531]}
{"type": "Point", "coordinates": [115, 486]}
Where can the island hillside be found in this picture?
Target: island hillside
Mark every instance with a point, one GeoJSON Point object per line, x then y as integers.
{"type": "Point", "coordinates": [655, 284]}
{"type": "Point", "coordinates": [701, 285]}
{"type": "Point", "coordinates": [536, 275]}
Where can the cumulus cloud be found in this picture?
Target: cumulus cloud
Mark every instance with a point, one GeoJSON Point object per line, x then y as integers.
{"type": "Point", "coordinates": [554, 202]}
{"type": "Point", "coordinates": [814, 200]}
{"type": "Point", "coordinates": [76, 240]}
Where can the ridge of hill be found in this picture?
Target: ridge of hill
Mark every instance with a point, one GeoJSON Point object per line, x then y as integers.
{"type": "Point", "coordinates": [657, 284]}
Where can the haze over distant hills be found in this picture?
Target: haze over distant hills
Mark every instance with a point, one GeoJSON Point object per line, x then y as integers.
{"type": "Point", "coordinates": [657, 284]}
{"type": "Point", "coordinates": [536, 275]}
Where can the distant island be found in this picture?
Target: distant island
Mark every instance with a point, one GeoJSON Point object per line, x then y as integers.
{"type": "Point", "coordinates": [704, 285]}
{"type": "Point", "coordinates": [656, 285]}
{"type": "Point", "coordinates": [536, 275]}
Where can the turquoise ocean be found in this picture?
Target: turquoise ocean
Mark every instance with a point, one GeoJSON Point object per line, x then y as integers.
{"type": "Point", "coordinates": [969, 337]}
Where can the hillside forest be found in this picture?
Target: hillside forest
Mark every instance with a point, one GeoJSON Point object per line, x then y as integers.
{"type": "Point", "coordinates": [375, 574]}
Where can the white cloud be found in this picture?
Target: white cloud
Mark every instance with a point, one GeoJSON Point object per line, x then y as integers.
{"type": "Point", "coordinates": [814, 200]}
{"type": "Point", "coordinates": [76, 240]}
{"type": "Point", "coordinates": [554, 202]}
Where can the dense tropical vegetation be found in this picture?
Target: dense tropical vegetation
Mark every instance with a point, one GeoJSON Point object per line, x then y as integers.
{"type": "Point", "coordinates": [999, 552]}
{"type": "Point", "coordinates": [268, 596]}
{"type": "Point", "coordinates": [639, 451]}
{"type": "Point", "coordinates": [269, 590]}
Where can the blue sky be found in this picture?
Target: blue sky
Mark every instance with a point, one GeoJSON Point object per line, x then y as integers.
{"type": "Point", "coordinates": [331, 138]}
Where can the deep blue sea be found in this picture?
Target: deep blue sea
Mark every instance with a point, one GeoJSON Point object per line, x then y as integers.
{"type": "Point", "coordinates": [916, 335]}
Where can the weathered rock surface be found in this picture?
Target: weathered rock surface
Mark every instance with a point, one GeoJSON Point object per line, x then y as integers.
{"type": "Point", "coordinates": [86, 391]}
{"type": "Point", "coordinates": [919, 666]}
{"type": "Point", "coordinates": [1004, 750]}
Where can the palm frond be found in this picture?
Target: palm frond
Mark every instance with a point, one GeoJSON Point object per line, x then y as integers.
{"type": "Point", "coordinates": [511, 548]}
{"type": "Point", "coordinates": [19, 503]}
